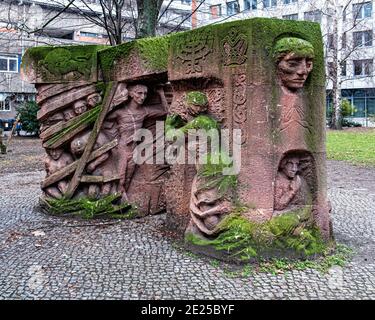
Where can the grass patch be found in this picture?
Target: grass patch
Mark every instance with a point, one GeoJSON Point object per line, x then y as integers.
{"type": "Point", "coordinates": [354, 147]}
{"type": "Point", "coordinates": [91, 208]}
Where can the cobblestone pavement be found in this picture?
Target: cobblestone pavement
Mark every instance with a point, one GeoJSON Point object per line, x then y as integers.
{"type": "Point", "coordinates": [45, 257]}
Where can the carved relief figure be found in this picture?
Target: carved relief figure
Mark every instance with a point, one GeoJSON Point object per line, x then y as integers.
{"type": "Point", "coordinates": [294, 60]}
{"type": "Point", "coordinates": [290, 187]}
{"type": "Point", "coordinates": [55, 118]}
{"type": "Point", "coordinates": [79, 107]}
{"type": "Point", "coordinates": [69, 114]}
{"type": "Point", "coordinates": [125, 121]}
{"type": "Point", "coordinates": [103, 165]}
{"type": "Point", "coordinates": [207, 206]}
{"type": "Point", "coordinates": [61, 64]}
{"type": "Point", "coordinates": [93, 99]}
{"type": "Point", "coordinates": [55, 160]}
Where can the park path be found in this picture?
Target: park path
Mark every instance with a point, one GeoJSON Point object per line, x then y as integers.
{"type": "Point", "coordinates": [45, 257]}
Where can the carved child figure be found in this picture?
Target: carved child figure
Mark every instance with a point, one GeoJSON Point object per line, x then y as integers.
{"type": "Point", "coordinates": [290, 186]}
{"type": "Point", "coordinates": [57, 159]}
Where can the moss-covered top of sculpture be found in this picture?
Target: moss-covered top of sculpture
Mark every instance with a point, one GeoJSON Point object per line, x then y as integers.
{"type": "Point", "coordinates": [55, 63]}
{"type": "Point", "coordinates": [152, 51]}
{"type": "Point", "coordinates": [298, 46]}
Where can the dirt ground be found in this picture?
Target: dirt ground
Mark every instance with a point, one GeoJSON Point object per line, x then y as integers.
{"type": "Point", "coordinates": [24, 154]}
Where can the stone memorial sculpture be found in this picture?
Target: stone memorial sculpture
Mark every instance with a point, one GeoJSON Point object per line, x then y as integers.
{"type": "Point", "coordinates": [57, 159]}
{"type": "Point", "coordinates": [259, 82]}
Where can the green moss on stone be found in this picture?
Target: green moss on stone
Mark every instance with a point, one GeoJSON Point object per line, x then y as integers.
{"type": "Point", "coordinates": [152, 51]}
{"type": "Point", "coordinates": [298, 46]}
{"type": "Point", "coordinates": [60, 60]}
{"type": "Point", "coordinates": [88, 208]}
{"type": "Point", "coordinates": [245, 239]}
{"type": "Point", "coordinates": [196, 98]}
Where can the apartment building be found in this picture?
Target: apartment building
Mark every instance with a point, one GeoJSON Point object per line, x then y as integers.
{"type": "Point", "coordinates": [353, 22]}
{"type": "Point", "coordinates": [26, 24]}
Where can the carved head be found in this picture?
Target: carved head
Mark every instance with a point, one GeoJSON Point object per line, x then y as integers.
{"type": "Point", "coordinates": [196, 103]}
{"type": "Point", "coordinates": [121, 95]}
{"type": "Point", "coordinates": [69, 114]}
{"type": "Point", "coordinates": [290, 166]}
{"type": "Point", "coordinates": [79, 107]}
{"type": "Point", "coordinates": [55, 154]}
{"type": "Point", "coordinates": [294, 60]}
{"type": "Point", "coordinates": [93, 99]}
{"type": "Point", "coordinates": [138, 93]}
{"type": "Point", "coordinates": [78, 144]}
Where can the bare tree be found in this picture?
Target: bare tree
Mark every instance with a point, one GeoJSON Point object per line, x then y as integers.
{"type": "Point", "coordinates": [345, 40]}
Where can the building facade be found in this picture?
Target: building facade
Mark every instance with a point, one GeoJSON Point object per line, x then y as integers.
{"type": "Point", "coordinates": [348, 31]}
{"type": "Point", "coordinates": [25, 24]}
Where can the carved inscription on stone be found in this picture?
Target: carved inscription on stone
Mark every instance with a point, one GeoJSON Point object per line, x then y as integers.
{"type": "Point", "coordinates": [234, 48]}
{"type": "Point", "coordinates": [239, 103]}
{"type": "Point", "coordinates": [216, 103]}
{"type": "Point", "coordinates": [194, 51]}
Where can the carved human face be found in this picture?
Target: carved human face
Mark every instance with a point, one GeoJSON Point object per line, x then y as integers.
{"type": "Point", "coordinates": [195, 110]}
{"type": "Point", "coordinates": [291, 167]}
{"type": "Point", "coordinates": [138, 93]}
{"type": "Point", "coordinates": [69, 114]}
{"type": "Point", "coordinates": [78, 144]}
{"type": "Point", "coordinates": [93, 100]}
{"type": "Point", "coordinates": [293, 71]}
{"type": "Point", "coordinates": [79, 107]}
{"type": "Point", "coordinates": [55, 154]}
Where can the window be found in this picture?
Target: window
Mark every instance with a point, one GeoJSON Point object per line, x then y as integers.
{"type": "Point", "coordinates": [363, 67]}
{"type": "Point", "coordinates": [343, 68]}
{"type": "Point", "coordinates": [8, 63]}
{"type": "Point", "coordinates": [215, 11]}
{"type": "Point", "coordinates": [5, 105]}
{"type": "Point", "coordinates": [289, 1]}
{"type": "Point", "coordinates": [89, 34]}
{"type": "Point", "coordinates": [315, 16]}
{"type": "Point", "coordinates": [269, 3]}
{"type": "Point", "coordinates": [251, 4]}
{"type": "Point", "coordinates": [232, 8]}
{"type": "Point", "coordinates": [362, 38]}
{"type": "Point", "coordinates": [291, 16]}
{"type": "Point", "coordinates": [362, 10]}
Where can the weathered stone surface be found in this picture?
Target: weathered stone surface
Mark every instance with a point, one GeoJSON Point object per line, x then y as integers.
{"type": "Point", "coordinates": [237, 66]}
{"type": "Point", "coordinates": [262, 77]}
{"type": "Point", "coordinates": [61, 64]}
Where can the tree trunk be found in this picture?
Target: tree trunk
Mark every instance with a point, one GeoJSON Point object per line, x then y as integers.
{"type": "Point", "coordinates": [336, 119]}
{"type": "Point", "coordinates": [148, 12]}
